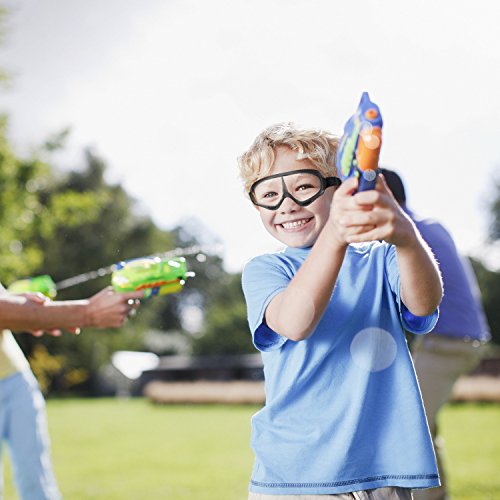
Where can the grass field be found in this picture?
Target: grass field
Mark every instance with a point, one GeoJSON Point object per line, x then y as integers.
{"type": "Point", "coordinates": [111, 449]}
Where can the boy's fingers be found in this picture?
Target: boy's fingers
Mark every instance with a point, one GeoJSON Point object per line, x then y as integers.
{"type": "Point", "coordinates": [360, 230]}
{"type": "Point", "coordinates": [365, 200]}
{"type": "Point", "coordinates": [348, 186]}
{"type": "Point", "coordinates": [382, 184]}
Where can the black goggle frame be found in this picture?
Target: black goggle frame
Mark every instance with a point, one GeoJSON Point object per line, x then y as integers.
{"type": "Point", "coordinates": [326, 182]}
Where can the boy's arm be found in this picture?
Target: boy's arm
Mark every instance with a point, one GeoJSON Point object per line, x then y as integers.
{"type": "Point", "coordinates": [295, 312]}
{"type": "Point", "coordinates": [420, 280]}
{"type": "Point", "coordinates": [106, 309]}
{"type": "Point", "coordinates": [421, 286]}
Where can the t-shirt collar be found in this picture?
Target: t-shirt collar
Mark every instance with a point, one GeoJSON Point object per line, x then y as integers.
{"type": "Point", "coordinates": [297, 251]}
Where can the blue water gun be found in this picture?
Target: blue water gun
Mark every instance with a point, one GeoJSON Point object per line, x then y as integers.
{"type": "Point", "coordinates": [359, 148]}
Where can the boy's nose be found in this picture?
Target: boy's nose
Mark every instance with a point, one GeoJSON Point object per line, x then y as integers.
{"type": "Point", "coordinates": [288, 205]}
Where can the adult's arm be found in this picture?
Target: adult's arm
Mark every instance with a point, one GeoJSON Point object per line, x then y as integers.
{"type": "Point", "coordinates": [106, 309]}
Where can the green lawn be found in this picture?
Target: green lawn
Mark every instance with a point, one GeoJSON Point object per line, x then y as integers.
{"type": "Point", "coordinates": [129, 449]}
{"type": "Point", "coordinates": [472, 440]}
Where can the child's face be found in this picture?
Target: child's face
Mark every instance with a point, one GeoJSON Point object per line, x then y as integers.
{"type": "Point", "coordinates": [292, 224]}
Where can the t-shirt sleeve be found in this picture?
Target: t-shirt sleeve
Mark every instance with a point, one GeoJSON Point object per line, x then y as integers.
{"type": "Point", "coordinates": [412, 323]}
{"type": "Point", "coordinates": [262, 279]}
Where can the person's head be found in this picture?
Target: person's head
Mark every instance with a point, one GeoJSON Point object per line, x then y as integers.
{"type": "Point", "coordinates": [289, 174]}
{"type": "Point", "coordinates": [395, 184]}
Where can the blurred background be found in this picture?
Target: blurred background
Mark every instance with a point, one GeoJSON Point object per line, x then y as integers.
{"type": "Point", "coordinates": [121, 124]}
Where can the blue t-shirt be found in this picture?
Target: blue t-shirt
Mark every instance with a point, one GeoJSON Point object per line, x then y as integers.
{"type": "Point", "coordinates": [461, 313]}
{"type": "Point", "coordinates": [343, 409]}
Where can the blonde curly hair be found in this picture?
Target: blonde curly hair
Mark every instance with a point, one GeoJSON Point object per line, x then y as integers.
{"type": "Point", "coordinates": [318, 146]}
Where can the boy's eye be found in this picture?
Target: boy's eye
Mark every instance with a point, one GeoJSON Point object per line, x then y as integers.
{"type": "Point", "coordinates": [269, 194]}
{"type": "Point", "coordinates": [304, 186]}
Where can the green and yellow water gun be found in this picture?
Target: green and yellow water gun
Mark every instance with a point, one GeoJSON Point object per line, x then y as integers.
{"type": "Point", "coordinates": [153, 275]}
{"type": "Point", "coordinates": [42, 284]}
{"type": "Point", "coordinates": [158, 274]}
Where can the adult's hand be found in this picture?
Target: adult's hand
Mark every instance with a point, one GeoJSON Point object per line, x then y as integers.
{"type": "Point", "coordinates": [110, 309]}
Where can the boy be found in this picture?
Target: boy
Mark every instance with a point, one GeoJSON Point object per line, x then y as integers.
{"type": "Point", "coordinates": [343, 414]}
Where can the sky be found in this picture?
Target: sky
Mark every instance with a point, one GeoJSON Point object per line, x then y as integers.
{"type": "Point", "coordinates": [170, 93]}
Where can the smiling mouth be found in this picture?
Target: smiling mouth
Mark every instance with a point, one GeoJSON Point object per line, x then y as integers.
{"type": "Point", "coordinates": [295, 224]}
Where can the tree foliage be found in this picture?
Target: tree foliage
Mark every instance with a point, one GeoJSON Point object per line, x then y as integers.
{"type": "Point", "coordinates": [225, 329]}
{"type": "Point", "coordinates": [489, 280]}
{"type": "Point", "coordinates": [78, 222]}
{"type": "Point", "coordinates": [19, 205]}
{"type": "Point", "coordinates": [68, 223]}
{"type": "Point", "coordinates": [494, 231]}
{"type": "Point", "coordinates": [489, 284]}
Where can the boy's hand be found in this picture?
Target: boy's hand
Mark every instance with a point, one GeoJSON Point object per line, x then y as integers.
{"type": "Point", "coordinates": [346, 214]}
{"type": "Point", "coordinates": [370, 215]}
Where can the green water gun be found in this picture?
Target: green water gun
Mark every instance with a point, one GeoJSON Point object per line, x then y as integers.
{"type": "Point", "coordinates": [154, 275]}
{"type": "Point", "coordinates": [42, 284]}
{"type": "Point", "coordinates": [157, 274]}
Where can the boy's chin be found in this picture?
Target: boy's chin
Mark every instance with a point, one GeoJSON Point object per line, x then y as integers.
{"type": "Point", "coordinates": [304, 245]}
{"type": "Point", "coordinates": [297, 239]}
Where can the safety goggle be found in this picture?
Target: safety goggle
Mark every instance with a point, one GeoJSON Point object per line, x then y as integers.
{"type": "Point", "coordinates": [302, 186]}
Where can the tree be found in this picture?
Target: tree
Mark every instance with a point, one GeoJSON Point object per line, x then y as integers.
{"type": "Point", "coordinates": [226, 329]}
{"type": "Point", "coordinates": [82, 223]}
{"type": "Point", "coordinates": [489, 284]}
{"type": "Point", "coordinates": [494, 231]}
{"type": "Point", "coordinates": [20, 254]}
{"type": "Point", "coordinates": [68, 223]}
{"type": "Point", "coordinates": [216, 293]}
{"type": "Point", "coordinates": [488, 279]}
